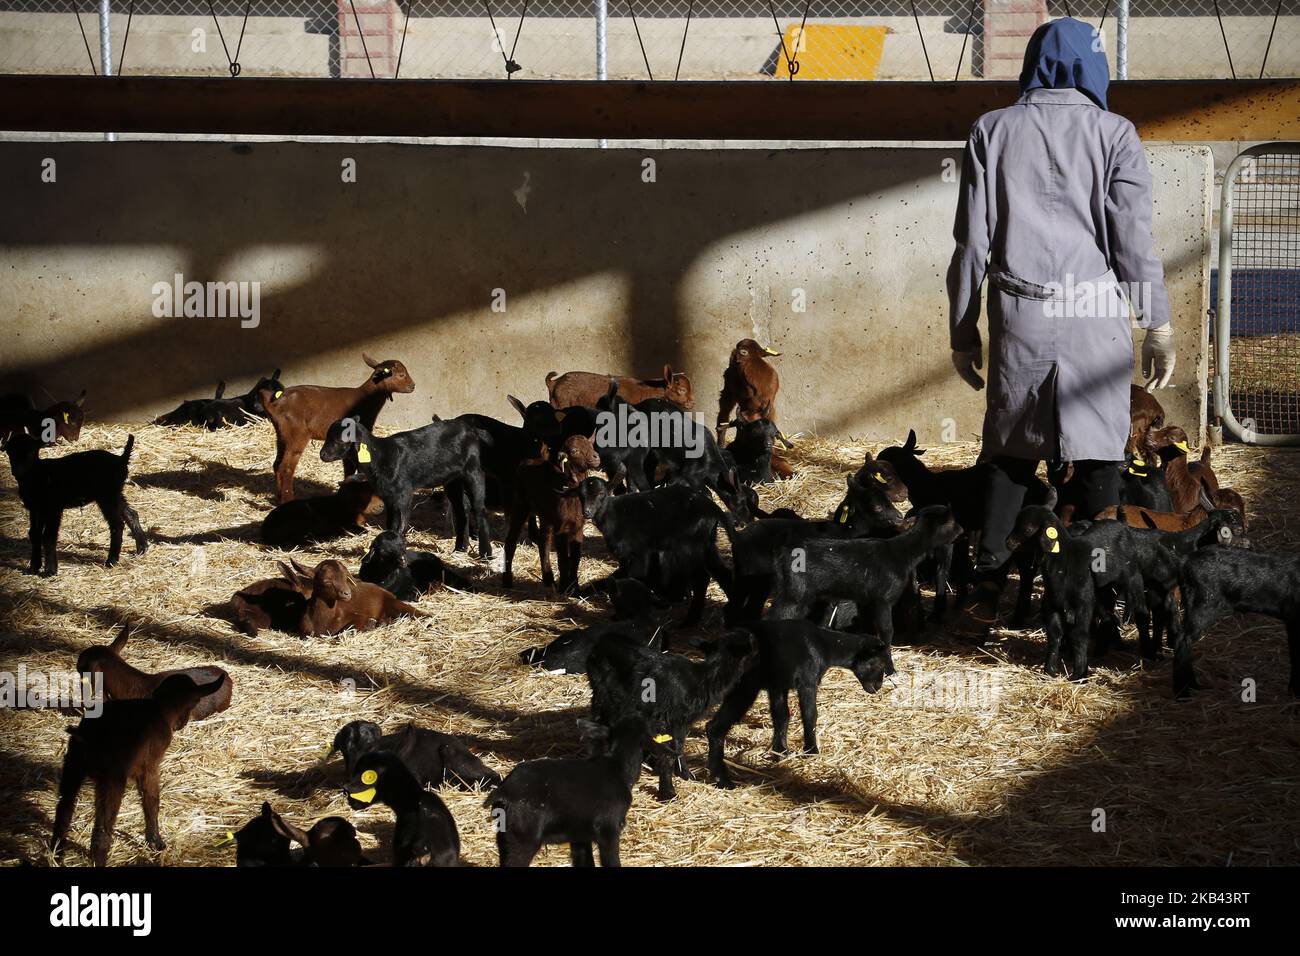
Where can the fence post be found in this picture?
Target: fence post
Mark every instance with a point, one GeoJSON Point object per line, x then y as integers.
{"type": "Point", "coordinates": [602, 41]}
{"type": "Point", "coordinates": [1121, 40]}
{"type": "Point", "coordinates": [106, 46]}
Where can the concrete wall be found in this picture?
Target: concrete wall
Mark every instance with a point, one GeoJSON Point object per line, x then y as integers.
{"type": "Point", "coordinates": [599, 269]}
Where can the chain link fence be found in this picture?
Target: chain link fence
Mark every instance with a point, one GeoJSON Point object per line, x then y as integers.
{"type": "Point", "coordinates": [636, 39]}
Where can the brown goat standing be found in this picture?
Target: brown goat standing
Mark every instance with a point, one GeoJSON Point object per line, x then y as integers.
{"type": "Point", "coordinates": [586, 388]}
{"type": "Point", "coordinates": [547, 489]}
{"type": "Point", "coordinates": [749, 385]}
{"type": "Point", "coordinates": [124, 682]}
{"type": "Point", "coordinates": [125, 744]}
{"type": "Point", "coordinates": [305, 412]}
{"type": "Point", "coordinates": [1184, 477]}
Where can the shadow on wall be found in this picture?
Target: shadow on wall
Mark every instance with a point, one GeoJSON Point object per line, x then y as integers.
{"type": "Point", "coordinates": [394, 255]}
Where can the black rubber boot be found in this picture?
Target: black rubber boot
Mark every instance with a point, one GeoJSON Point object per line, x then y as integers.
{"type": "Point", "coordinates": [979, 615]}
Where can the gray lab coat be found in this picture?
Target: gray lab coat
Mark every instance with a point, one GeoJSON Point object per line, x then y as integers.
{"type": "Point", "coordinates": [1055, 206]}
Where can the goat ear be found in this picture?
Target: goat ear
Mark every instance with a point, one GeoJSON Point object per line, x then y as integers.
{"type": "Point", "coordinates": [81, 399]}
{"type": "Point", "coordinates": [518, 406]}
{"type": "Point", "coordinates": [867, 457]}
{"type": "Point", "coordinates": [221, 388]}
{"type": "Point", "coordinates": [119, 642]}
{"type": "Point", "coordinates": [668, 374]}
{"type": "Point", "coordinates": [613, 387]}
{"type": "Point", "coordinates": [369, 361]}
{"type": "Point", "coordinates": [275, 374]}
{"type": "Point", "coordinates": [287, 829]}
{"type": "Point", "coordinates": [1203, 497]}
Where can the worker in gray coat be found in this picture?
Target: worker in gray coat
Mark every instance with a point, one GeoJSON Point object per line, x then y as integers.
{"type": "Point", "coordinates": [1055, 212]}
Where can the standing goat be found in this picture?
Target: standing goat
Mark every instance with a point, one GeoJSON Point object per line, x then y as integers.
{"type": "Point", "coordinates": [306, 412]}
{"type": "Point", "coordinates": [124, 744]}
{"type": "Point", "coordinates": [49, 486]}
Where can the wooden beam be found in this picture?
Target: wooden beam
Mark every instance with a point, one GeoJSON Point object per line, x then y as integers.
{"type": "Point", "coordinates": [1196, 110]}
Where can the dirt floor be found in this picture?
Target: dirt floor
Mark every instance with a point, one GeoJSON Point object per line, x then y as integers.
{"type": "Point", "coordinates": [971, 756]}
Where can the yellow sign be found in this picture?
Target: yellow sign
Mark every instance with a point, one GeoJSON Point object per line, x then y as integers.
{"type": "Point", "coordinates": [830, 51]}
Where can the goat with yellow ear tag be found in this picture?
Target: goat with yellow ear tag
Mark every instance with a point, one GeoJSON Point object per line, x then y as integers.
{"type": "Point", "coordinates": [424, 833]}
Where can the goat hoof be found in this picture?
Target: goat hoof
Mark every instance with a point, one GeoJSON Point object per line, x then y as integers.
{"type": "Point", "coordinates": [665, 796]}
{"type": "Point", "coordinates": [724, 783]}
{"type": "Point", "coordinates": [809, 751]}
{"type": "Point", "coordinates": [156, 842]}
{"type": "Point", "coordinates": [46, 573]}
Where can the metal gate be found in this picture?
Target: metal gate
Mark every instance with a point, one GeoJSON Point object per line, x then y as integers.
{"type": "Point", "coordinates": [1257, 328]}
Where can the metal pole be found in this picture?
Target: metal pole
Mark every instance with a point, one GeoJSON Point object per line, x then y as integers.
{"type": "Point", "coordinates": [602, 43]}
{"type": "Point", "coordinates": [106, 46]}
{"type": "Point", "coordinates": [1121, 40]}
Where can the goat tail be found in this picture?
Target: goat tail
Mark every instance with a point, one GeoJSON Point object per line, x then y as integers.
{"type": "Point", "coordinates": [126, 452]}
{"type": "Point", "coordinates": [550, 379]}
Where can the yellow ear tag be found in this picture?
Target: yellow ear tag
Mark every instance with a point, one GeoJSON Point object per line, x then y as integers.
{"type": "Point", "coordinates": [326, 751]}
{"type": "Point", "coordinates": [370, 777]}
{"type": "Point", "coordinates": [65, 418]}
{"type": "Point", "coordinates": [365, 796]}
{"type": "Point", "coordinates": [1052, 533]}
{"type": "Point", "coordinates": [559, 416]}
{"type": "Point", "coordinates": [278, 393]}
{"type": "Point", "coordinates": [663, 738]}
{"type": "Point", "coordinates": [1134, 471]}
{"type": "Point", "coordinates": [229, 839]}
{"type": "Point", "coordinates": [363, 454]}
{"type": "Point", "coordinates": [880, 478]}
{"type": "Point", "coordinates": [1138, 463]}
{"type": "Point", "coordinates": [844, 516]}
{"type": "Point", "coordinates": [1056, 547]}
{"type": "Point", "coordinates": [1180, 445]}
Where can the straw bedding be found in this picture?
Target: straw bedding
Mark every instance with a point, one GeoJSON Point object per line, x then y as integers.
{"type": "Point", "coordinates": [906, 777]}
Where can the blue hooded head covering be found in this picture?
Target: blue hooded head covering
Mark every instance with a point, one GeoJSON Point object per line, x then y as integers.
{"type": "Point", "coordinates": [1061, 55]}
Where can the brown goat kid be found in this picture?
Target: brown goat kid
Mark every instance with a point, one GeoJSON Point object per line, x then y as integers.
{"type": "Point", "coordinates": [338, 601]}
{"type": "Point", "coordinates": [548, 489]}
{"type": "Point", "coordinates": [274, 603]}
{"type": "Point", "coordinates": [586, 388]}
{"type": "Point", "coordinates": [124, 682]}
{"type": "Point", "coordinates": [1145, 414]}
{"type": "Point", "coordinates": [305, 413]}
{"type": "Point", "coordinates": [1184, 477]}
{"type": "Point", "coordinates": [125, 744]}
{"type": "Point", "coordinates": [749, 386]}
{"type": "Point", "coordinates": [1136, 517]}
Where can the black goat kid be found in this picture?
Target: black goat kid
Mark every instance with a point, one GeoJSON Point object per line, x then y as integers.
{"type": "Point", "coordinates": [50, 486]}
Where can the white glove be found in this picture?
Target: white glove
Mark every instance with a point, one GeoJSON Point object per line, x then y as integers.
{"type": "Point", "coordinates": [1158, 357]}
{"type": "Point", "coordinates": [966, 363]}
